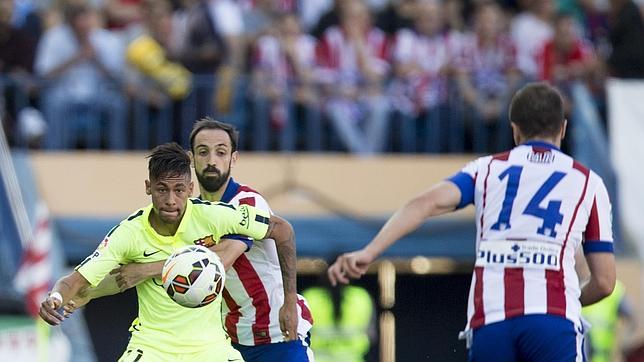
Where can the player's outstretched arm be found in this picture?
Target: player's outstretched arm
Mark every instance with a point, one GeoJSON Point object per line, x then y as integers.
{"type": "Point", "coordinates": [228, 250]}
{"type": "Point", "coordinates": [440, 199]}
{"type": "Point", "coordinates": [282, 232]}
{"type": "Point", "coordinates": [602, 278]}
{"type": "Point", "coordinates": [64, 290]}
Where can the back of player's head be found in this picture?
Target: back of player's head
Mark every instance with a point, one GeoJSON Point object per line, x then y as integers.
{"type": "Point", "coordinates": [168, 160]}
{"type": "Point", "coordinates": [209, 123]}
{"type": "Point", "coordinates": [537, 110]}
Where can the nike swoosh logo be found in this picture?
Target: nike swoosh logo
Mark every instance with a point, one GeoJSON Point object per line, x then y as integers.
{"type": "Point", "coordinates": [146, 254]}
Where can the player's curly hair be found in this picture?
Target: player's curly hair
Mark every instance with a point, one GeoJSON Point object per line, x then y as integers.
{"type": "Point", "coordinates": [209, 123]}
{"type": "Point", "coordinates": [537, 109]}
{"type": "Point", "coordinates": [168, 160]}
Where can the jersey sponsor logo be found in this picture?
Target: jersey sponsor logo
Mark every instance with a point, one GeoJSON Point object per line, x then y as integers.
{"type": "Point", "coordinates": [146, 253]}
{"type": "Point", "coordinates": [206, 241]}
{"type": "Point", "coordinates": [522, 254]}
{"type": "Point", "coordinates": [245, 216]}
{"type": "Point", "coordinates": [541, 157]}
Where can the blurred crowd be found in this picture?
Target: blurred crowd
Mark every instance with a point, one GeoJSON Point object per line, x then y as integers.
{"type": "Point", "coordinates": [363, 76]}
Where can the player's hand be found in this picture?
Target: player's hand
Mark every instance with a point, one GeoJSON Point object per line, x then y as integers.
{"type": "Point", "coordinates": [80, 299]}
{"type": "Point", "coordinates": [349, 266]}
{"type": "Point", "coordinates": [48, 311]}
{"type": "Point", "coordinates": [129, 275]}
{"type": "Point", "coordinates": [288, 321]}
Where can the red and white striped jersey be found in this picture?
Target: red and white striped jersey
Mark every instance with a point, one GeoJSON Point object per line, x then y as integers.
{"type": "Point", "coordinates": [337, 57]}
{"type": "Point", "coordinates": [254, 291]}
{"type": "Point", "coordinates": [534, 207]}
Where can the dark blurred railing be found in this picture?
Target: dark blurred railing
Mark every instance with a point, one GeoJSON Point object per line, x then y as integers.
{"type": "Point", "coordinates": [113, 120]}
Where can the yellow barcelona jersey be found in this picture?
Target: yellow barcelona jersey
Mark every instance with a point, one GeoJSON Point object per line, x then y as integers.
{"type": "Point", "coordinates": [163, 324]}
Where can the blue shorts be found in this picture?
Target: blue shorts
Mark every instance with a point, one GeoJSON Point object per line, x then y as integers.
{"type": "Point", "coordinates": [292, 351]}
{"type": "Point", "coordinates": [530, 338]}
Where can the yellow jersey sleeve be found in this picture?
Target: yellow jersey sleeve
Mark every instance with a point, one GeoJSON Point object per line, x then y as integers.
{"type": "Point", "coordinates": [241, 220]}
{"type": "Point", "coordinates": [109, 254]}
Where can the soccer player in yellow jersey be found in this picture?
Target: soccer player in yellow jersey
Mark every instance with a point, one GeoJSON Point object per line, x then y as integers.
{"type": "Point", "coordinates": [164, 330]}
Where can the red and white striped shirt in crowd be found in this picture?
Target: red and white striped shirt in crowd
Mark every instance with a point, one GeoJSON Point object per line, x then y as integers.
{"type": "Point", "coordinates": [254, 291]}
{"type": "Point", "coordinates": [432, 55]}
{"type": "Point", "coordinates": [337, 57]}
{"type": "Point", "coordinates": [271, 59]}
{"type": "Point", "coordinates": [534, 207]}
{"type": "Point", "coordinates": [489, 65]}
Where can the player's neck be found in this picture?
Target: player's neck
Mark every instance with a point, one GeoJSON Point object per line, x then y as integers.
{"type": "Point", "coordinates": [553, 141]}
{"type": "Point", "coordinates": [213, 196]}
{"type": "Point", "coordinates": [162, 228]}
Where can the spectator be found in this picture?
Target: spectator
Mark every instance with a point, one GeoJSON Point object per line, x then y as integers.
{"type": "Point", "coordinates": [626, 36]}
{"type": "Point", "coordinates": [281, 74]}
{"type": "Point", "coordinates": [214, 48]}
{"type": "Point", "coordinates": [17, 50]}
{"type": "Point", "coordinates": [421, 62]}
{"type": "Point", "coordinates": [154, 80]}
{"type": "Point", "coordinates": [119, 14]}
{"type": "Point", "coordinates": [397, 15]}
{"type": "Point", "coordinates": [353, 64]}
{"type": "Point", "coordinates": [328, 19]}
{"type": "Point", "coordinates": [81, 64]}
{"type": "Point", "coordinates": [530, 29]}
{"type": "Point", "coordinates": [487, 77]}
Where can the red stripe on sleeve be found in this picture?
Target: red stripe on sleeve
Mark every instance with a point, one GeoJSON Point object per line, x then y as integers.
{"type": "Point", "coordinates": [592, 228]}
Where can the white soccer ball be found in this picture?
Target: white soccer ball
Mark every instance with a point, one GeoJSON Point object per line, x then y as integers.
{"type": "Point", "coordinates": [193, 276]}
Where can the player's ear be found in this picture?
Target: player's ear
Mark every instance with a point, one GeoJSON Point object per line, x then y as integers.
{"type": "Point", "coordinates": [233, 159]}
{"type": "Point", "coordinates": [191, 187]}
{"type": "Point", "coordinates": [148, 187]}
{"type": "Point", "coordinates": [516, 136]}
{"type": "Point", "coordinates": [563, 128]}
{"type": "Point", "coordinates": [192, 158]}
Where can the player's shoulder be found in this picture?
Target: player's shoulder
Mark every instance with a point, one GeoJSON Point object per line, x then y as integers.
{"type": "Point", "coordinates": [247, 195]}
{"type": "Point", "coordinates": [200, 205]}
{"type": "Point", "coordinates": [132, 221]}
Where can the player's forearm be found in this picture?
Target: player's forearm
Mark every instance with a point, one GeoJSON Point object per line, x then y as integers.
{"type": "Point", "coordinates": [288, 264]}
{"type": "Point", "coordinates": [107, 286]}
{"type": "Point", "coordinates": [403, 222]}
{"type": "Point", "coordinates": [595, 290]}
{"type": "Point", "coordinates": [284, 237]}
{"type": "Point", "coordinates": [69, 286]}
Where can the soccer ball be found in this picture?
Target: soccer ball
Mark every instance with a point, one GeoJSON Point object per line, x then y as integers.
{"type": "Point", "coordinates": [193, 276]}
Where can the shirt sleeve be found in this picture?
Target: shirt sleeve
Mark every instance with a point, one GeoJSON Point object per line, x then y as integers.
{"type": "Point", "coordinates": [598, 236]}
{"type": "Point", "coordinates": [243, 220]}
{"type": "Point", "coordinates": [109, 254]}
{"type": "Point", "coordinates": [465, 181]}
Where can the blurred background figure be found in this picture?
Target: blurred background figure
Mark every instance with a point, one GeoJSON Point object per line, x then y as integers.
{"type": "Point", "coordinates": [353, 62]}
{"type": "Point", "coordinates": [605, 317]}
{"type": "Point", "coordinates": [284, 84]}
{"type": "Point", "coordinates": [156, 82]}
{"type": "Point", "coordinates": [214, 50]}
{"type": "Point", "coordinates": [18, 86]}
{"type": "Point", "coordinates": [421, 60]}
{"type": "Point", "coordinates": [488, 75]}
{"type": "Point", "coordinates": [81, 64]}
{"type": "Point", "coordinates": [530, 29]}
{"type": "Point", "coordinates": [626, 29]}
{"type": "Point", "coordinates": [344, 321]}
